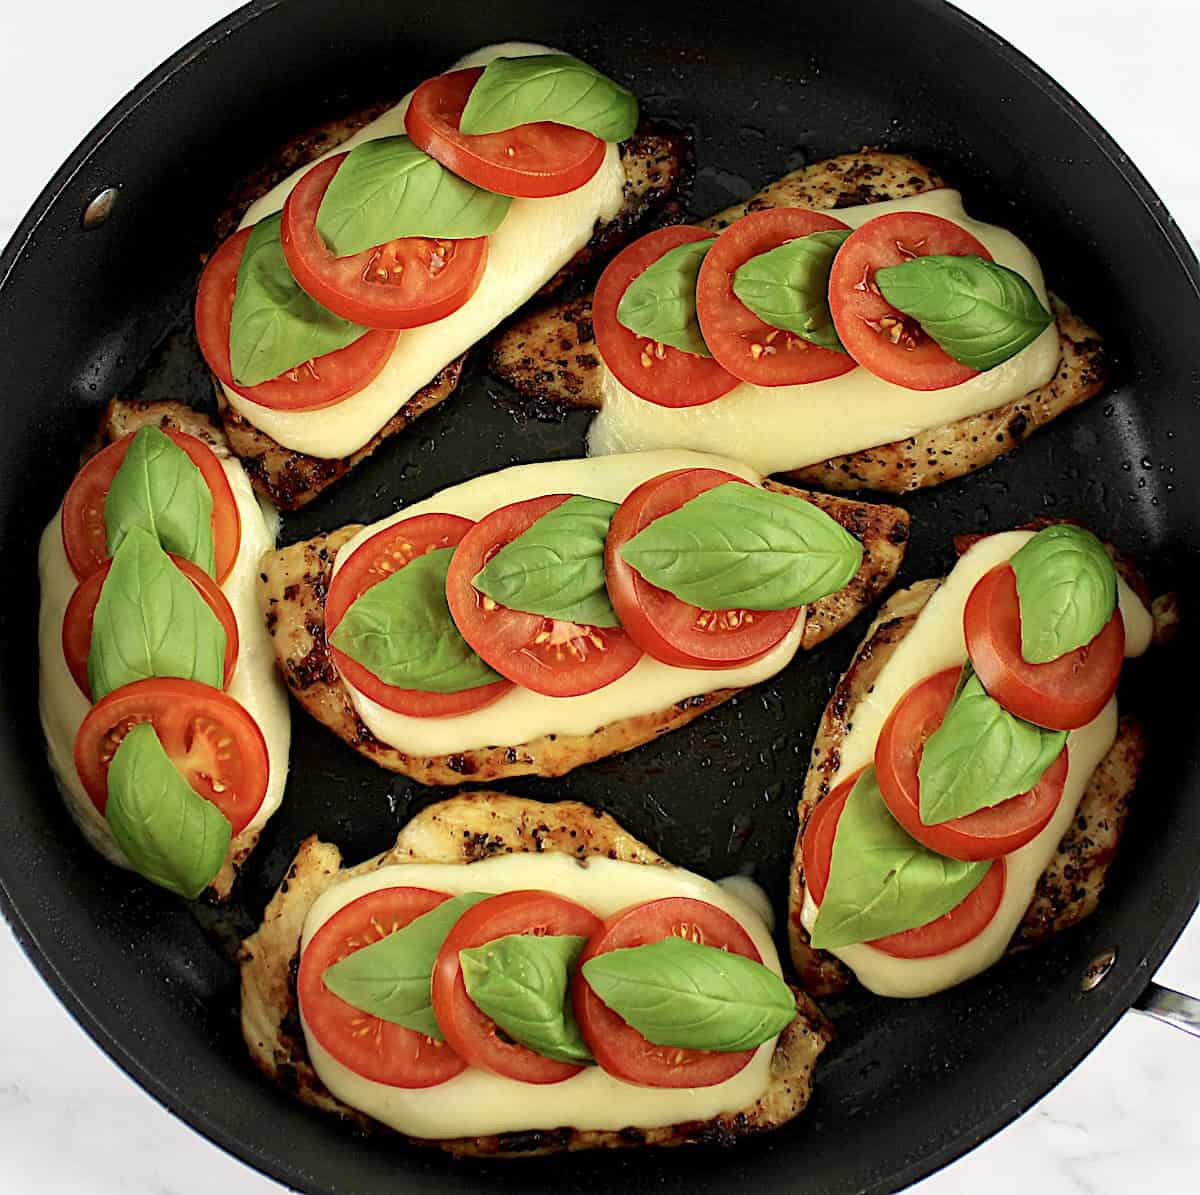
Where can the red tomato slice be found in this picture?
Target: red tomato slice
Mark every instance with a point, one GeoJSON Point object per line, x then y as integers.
{"type": "Point", "coordinates": [546, 655]}
{"type": "Point", "coordinates": [320, 382]}
{"type": "Point", "coordinates": [401, 284]}
{"type": "Point", "coordinates": [880, 338]}
{"type": "Point", "coordinates": [381, 555]}
{"type": "Point", "coordinates": [1065, 693]}
{"type": "Point", "coordinates": [658, 373]}
{"type": "Point", "coordinates": [377, 1050]}
{"type": "Point", "coordinates": [746, 346]}
{"type": "Point", "coordinates": [965, 921]}
{"type": "Point", "coordinates": [85, 539]}
{"type": "Point", "coordinates": [657, 621]}
{"type": "Point", "coordinates": [209, 737]}
{"type": "Point", "coordinates": [618, 1047]}
{"type": "Point", "coordinates": [531, 161]}
{"type": "Point", "coordinates": [986, 834]}
{"type": "Point", "coordinates": [473, 1035]}
{"type": "Point", "coordinates": [81, 610]}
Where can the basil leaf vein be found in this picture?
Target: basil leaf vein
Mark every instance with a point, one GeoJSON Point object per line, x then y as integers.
{"type": "Point", "coordinates": [660, 303]}
{"type": "Point", "coordinates": [694, 997]}
{"type": "Point", "coordinates": [555, 567]}
{"type": "Point", "coordinates": [159, 490]}
{"type": "Point", "coordinates": [553, 87]}
{"type": "Point", "coordinates": [275, 325]}
{"type": "Point", "coordinates": [401, 631]}
{"type": "Point", "coordinates": [979, 312]}
{"type": "Point", "coordinates": [391, 979]}
{"type": "Point", "coordinates": [881, 880]}
{"type": "Point", "coordinates": [171, 834]}
{"type": "Point", "coordinates": [742, 547]}
{"type": "Point", "coordinates": [1067, 590]}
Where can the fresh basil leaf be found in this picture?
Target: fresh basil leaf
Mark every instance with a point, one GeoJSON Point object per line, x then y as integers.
{"type": "Point", "coordinates": [276, 326]}
{"type": "Point", "coordinates": [160, 490]}
{"type": "Point", "coordinates": [388, 188]}
{"type": "Point", "coordinates": [400, 630]}
{"type": "Point", "coordinates": [168, 831]}
{"type": "Point", "coordinates": [742, 547]}
{"type": "Point", "coordinates": [980, 313]}
{"type": "Point", "coordinates": [556, 567]}
{"type": "Point", "coordinates": [660, 303]}
{"type": "Point", "coordinates": [788, 286]}
{"type": "Point", "coordinates": [391, 979]}
{"type": "Point", "coordinates": [981, 755]}
{"type": "Point", "coordinates": [150, 620]}
{"type": "Point", "coordinates": [882, 881]}
{"type": "Point", "coordinates": [1067, 591]}
{"type": "Point", "coordinates": [522, 982]}
{"type": "Point", "coordinates": [680, 993]}
{"type": "Point", "coordinates": [553, 87]}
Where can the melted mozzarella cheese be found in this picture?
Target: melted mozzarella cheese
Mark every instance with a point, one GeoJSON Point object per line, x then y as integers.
{"type": "Point", "coordinates": [537, 238]}
{"type": "Point", "coordinates": [477, 1102]}
{"type": "Point", "coordinates": [522, 715]}
{"type": "Point", "coordinates": [256, 683]}
{"type": "Point", "coordinates": [778, 428]}
{"type": "Point", "coordinates": [934, 643]}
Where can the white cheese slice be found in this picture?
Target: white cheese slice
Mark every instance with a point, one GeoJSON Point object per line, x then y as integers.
{"type": "Point", "coordinates": [778, 428]}
{"type": "Point", "coordinates": [478, 1102]}
{"type": "Point", "coordinates": [521, 715]}
{"type": "Point", "coordinates": [934, 643]}
{"type": "Point", "coordinates": [538, 237]}
{"type": "Point", "coordinates": [256, 683]}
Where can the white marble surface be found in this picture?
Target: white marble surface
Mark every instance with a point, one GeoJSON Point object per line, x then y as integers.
{"type": "Point", "coordinates": [71, 1122]}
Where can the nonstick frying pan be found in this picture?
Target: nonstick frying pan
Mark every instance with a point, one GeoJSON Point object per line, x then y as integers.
{"type": "Point", "coordinates": [89, 309]}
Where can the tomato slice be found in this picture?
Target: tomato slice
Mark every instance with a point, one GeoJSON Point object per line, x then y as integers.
{"type": "Point", "coordinates": [208, 736]}
{"type": "Point", "coordinates": [377, 558]}
{"type": "Point", "coordinates": [985, 834]}
{"type": "Point", "coordinates": [85, 539]}
{"type": "Point", "coordinates": [965, 921]}
{"type": "Point", "coordinates": [619, 1048]}
{"type": "Point", "coordinates": [661, 624]}
{"type": "Point", "coordinates": [746, 346]}
{"type": "Point", "coordinates": [1062, 695]}
{"type": "Point", "coordinates": [473, 1035]}
{"type": "Point", "coordinates": [531, 161]}
{"type": "Point", "coordinates": [547, 655]}
{"type": "Point", "coordinates": [378, 1050]}
{"type": "Point", "coordinates": [81, 610]}
{"type": "Point", "coordinates": [658, 373]}
{"type": "Point", "coordinates": [320, 382]}
{"type": "Point", "coordinates": [401, 284]}
{"type": "Point", "coordinates": [880, 338]}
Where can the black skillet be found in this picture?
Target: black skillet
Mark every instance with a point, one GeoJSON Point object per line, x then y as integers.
{"type": "Point", "coordinates": [85, 314]}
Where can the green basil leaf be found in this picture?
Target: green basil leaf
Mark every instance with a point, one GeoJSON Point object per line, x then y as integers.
{"type": "Point", "coordinates": [388, 188]}
{"type": "Point", "coordinates": [742, 547]}
{"type": "Point", "coordinates": [680, 993]}
{"type": "Point", "coordinates": [1067, 591]}
{"type": "Point", "coordinates": [275, 325]}
{"type": "Point", "coordinates": [401, 631]}
{"type": "Point", "coordinates": [556, 567]}
{"type": "Point", "coordinates": [788, 286]}
{"type": "Point", "coordinates": [660, 303]}
{"type": "Point", "coordinates": [882, 881]}
{"type": "Point", "coordinates": [978, 312]}
{"type": "Point", "coordinates": [391, 978]}
{"type": "Point", "coordinates": [158, 489]}
{"type": "Point", "coordinates": [168, 831]}
{"type": "Point", "coordinates": [981, 755]}
{"type": "Point", "coordinates": [522, 982]}
{"type": "Point", "coordinates": [150, 620]}
{"type": "Point", "coordinates": [553, 87]}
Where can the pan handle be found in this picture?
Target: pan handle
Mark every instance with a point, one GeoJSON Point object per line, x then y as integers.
{"type": "Point", "coordinates": [1171, 1007]}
